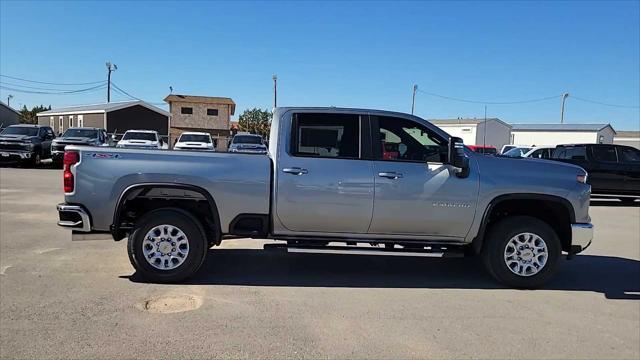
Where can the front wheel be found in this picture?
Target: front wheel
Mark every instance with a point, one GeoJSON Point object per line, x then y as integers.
{"type": "Point", "coordinates": [167, 245]}
{"type": "Point", "coordinates": [522, 252]}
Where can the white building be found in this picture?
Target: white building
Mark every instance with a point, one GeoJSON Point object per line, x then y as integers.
{"type": "Point", "coordinates": [494, 132]}
{"type": "Point", "coordinates": [554, 134]}
{"type": "Point", "coordinates": [629, 138]}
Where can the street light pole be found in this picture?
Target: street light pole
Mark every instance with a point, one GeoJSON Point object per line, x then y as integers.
{"type": "Point", "coordinates": [110, 67]}
{"type": "Point", "coordinates": [275, 90]}
{"type": "Point", "coordinates": [413, 99]}
{"type": "Point", "coordinates": [564, 97]}
{"type": "Point", "coordinates": [9, 99]}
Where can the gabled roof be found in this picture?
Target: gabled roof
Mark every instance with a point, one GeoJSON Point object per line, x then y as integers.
{"type": "Point", "coordinates": [561, 127]}
{"type": "Point", "coordinates": [466, 121]}
{"type": "Point", "coordinates": [101, 108]}
{"type": "Point", "coordinates": [9, 107]}
{"type": "Point", "coordinates": [202, 99]}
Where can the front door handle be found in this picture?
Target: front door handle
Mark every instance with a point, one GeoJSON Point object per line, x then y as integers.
{"type": "Point", "coordinates": [390, 175]}
{"type": "Point", "coordinates": [295, 171]}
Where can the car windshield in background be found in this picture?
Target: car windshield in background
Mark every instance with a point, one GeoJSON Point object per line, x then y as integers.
{"type": "Point", "coordinates": [195, 138]}
{"type": "Point", "coordinates": [245, 139]}
{"type": "Point", "coordinates": [85, 133]}
{"type": "Point", "coordinates": [19, 130]}
{"type": "Point", "coordinates": [139, 136]}
{"type": "Point", "coordinates": [517, 152]}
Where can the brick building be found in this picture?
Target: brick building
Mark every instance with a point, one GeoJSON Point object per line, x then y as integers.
{"type": "Point", "coordinates": [201, 113]}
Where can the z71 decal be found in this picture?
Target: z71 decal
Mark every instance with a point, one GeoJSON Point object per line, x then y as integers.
{"type": "Point", "coordinates": [103, 155]}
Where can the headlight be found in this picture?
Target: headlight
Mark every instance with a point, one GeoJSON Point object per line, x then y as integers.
{"type": "Point", "coordinates": [28, 145]}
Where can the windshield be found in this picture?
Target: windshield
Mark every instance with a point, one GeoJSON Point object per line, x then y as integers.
{"type": "Point", "coordinates": [85, 133]}
{"type": "Point", "coordinates": [20, 130]}
{"type": "Point", "coordinates": [134, 135]}
{"type": "Point", "coordinates": [517, 152]}
{"type": "Point", "coordinates": [247, 139]}
{"type": "Point", "coordinates": [195, 138]}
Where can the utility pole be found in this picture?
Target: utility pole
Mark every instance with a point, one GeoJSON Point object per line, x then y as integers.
{"type": "Point", "coordinates": [413, 100]}
{"type": "Point", "coordinates": [275, 90]}
{"type": "Point", "coordinates": [110, 67]}
{"type": "Point", "coordinates": [9, 99]}
{"type": "Point", "coordinates": [564, 97]}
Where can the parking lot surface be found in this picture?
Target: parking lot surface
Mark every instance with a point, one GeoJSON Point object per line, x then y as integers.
{"type": "Point", "coordinates": [63, 299]}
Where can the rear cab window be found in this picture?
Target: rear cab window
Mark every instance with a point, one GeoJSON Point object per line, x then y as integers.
{"type": "Point", "coordinates": [326, 135]}
{"type": "Point", "coordinates": [570, 153]}
{"type": "Point", "coordinates": [604, 153]}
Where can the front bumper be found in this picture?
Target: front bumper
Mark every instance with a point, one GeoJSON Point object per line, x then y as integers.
{"type": "Point", "coordinates": [15, 155]}
{"type": "Point", "coordinates": [581, 237]}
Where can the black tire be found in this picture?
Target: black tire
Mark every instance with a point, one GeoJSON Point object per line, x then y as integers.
{"type": "Point", "coordinates": [35, 161]}
{"type": "Point", "coordinates": [188, 225]}
{"type": "Point", "coordinates": [499, 235]}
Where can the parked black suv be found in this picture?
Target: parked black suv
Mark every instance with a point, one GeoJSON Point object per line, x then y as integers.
{"type": "Point", "coordinates": [612, 169]}
{"type": "Point", "coordinates": [88, 136]}
{"type": "Point", "coordinates": [25, 144]}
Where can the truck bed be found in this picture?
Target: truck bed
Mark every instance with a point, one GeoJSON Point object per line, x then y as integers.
{"type": "Point", "coordinates": [239, 183]}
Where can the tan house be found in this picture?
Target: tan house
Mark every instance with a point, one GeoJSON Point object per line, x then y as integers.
{"type": "Point", "coordinates": [201, 113]}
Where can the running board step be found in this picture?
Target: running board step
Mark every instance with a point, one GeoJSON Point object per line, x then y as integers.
{"type": "Point", "coordinates": [363, 250]}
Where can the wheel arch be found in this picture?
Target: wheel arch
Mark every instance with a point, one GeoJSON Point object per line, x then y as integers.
{"type": "Point", "coordinates": [558, 212]}
{"type": "Point", "coordinates": [134, 191]}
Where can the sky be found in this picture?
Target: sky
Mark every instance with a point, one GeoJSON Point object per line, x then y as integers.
{"type": "Point", "coordinates": [345, 54]}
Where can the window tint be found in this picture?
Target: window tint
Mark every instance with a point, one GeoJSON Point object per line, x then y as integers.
{"type": "Point", "coordinates": [212, 112]}
{"type": "Point", "coordinates": [186, 110]}
{"type": "Point", "coordinates": [570, 153]}
{"type": "Point", "coordinates": [605, 153]}
{"type": "Point", "coordinates": [405, 140]}
{"type": "Point", "coordinates": [628, 154]}
{"type": "Point", "coordinates": [42, 132]}
{"type": "Point", "coordinates": [327, 135]}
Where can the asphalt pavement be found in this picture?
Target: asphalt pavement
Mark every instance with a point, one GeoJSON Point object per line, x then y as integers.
{"type": "Point", "coordinates": [64, 299]}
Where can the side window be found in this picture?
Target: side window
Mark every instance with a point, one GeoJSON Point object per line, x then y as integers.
{"type": "Point", "coordinates": [605, 153]}
{"type": "Point", "coordinates": [42, 132]}
{"type": "Point", "coordinates": [538, 154]}
{"type": "Point", "coordinates": [570, 153]}
{"type": "Point", "coordinates": [50, 133]}
{"type": "Point", "coordinates": [404, 140]}
{"type": "Point", "coordinates": [71, 121]}
{"type": "Point", "coordinates": [186, 110]}
{"type": "Point", "coordinates": [628, 154]}
{"type": "Point", "coordinates": [326, 135]}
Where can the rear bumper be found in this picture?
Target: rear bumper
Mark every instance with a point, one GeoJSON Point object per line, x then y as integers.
{"type": "Point", "coordinates": [74, 217]}
{"type": "Point", "coordinates": [581, 237]}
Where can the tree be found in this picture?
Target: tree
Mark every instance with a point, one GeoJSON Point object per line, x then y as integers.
{"type": "Point", "coordinates": [30, 116]}
{"type": "Point", "coordinates": [255, 121]}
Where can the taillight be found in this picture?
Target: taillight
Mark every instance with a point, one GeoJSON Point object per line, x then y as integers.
{"type": "Point", "coordinates": [70, 158]}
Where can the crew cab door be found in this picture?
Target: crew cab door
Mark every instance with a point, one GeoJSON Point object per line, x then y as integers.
{"type": "Point", "coordinates": [324, 179]}
{"type": "Point", "coordinates": [416, 193]}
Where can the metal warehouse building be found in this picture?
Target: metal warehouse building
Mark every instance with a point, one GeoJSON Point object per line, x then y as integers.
{"type": "Point", "coordinates": [8, 115]}
{"type": "Point", "coordinates": [115, 117]}
{"type": "Point", "coordinates": [493, 132]}
{"type": "Point", "coordinates": [554, 134]}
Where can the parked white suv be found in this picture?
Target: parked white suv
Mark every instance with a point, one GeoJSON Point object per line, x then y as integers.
{"type": "Point", "coordinates": [194, 141]}
{"type": "Point", "coordinates": [141, 139]}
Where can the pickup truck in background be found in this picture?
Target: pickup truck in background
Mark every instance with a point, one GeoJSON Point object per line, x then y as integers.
{"type": "Point", "coordinates": [87, 136]}
{"type": "Point", "coordinates": [141, 139]}
{"type": "Point", "coordinates": [329, 186]}
{"type": "Point", "coordinates": [194, 141]}
{"type": "Point", "coordinates": [25, 144]}
{"type": "Point", "coordinates": [613, 169]}
{"type": "Point", "coordinates": [247, 143]}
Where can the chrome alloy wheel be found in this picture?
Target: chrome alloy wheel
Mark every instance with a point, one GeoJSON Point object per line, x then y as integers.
{"type": "Point", "coordinates": [165, 247]}
{"type": "Point", "coordinates": [526, 254]}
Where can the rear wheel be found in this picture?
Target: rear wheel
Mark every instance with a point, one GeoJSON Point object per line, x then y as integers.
{"type": "Point", "coordinates": [522, 252]}
{"type": "Point", "coordinates": [167, 245]}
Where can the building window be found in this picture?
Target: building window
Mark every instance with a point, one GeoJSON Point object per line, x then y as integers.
{"type": "Point", "coordinates": [212, 112]}
{"type": "Point", "coordinates": [186, 110]}
{"type": "Point", "coordinates": [60, 124]}
{"type": "Point", "coordinates": [70, 121]}
{"type": "Point", "coordinates": [52, 122]}
{"type": "Point", "coordinates": [80, 120]}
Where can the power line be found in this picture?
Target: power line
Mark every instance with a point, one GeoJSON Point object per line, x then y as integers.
{"type": "Point", "coordinates": [34, 87]}
{"type": "Point", "coordinates": [97, 87]}
{"type": "Point", "coordinates": [50, 83]}
{"type": "Point", "coordinates": [489, 102]}
{"type": "Point", "coordinates": [605, 104]}
{"type": "Point", "coordinates": [122, 92]}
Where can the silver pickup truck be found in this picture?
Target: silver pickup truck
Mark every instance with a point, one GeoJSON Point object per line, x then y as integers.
{"type": "Point", "coordinates": [343, 181]}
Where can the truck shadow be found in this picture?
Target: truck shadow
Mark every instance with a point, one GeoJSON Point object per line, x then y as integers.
{"type": "Point", "coordinates": [614, 277]}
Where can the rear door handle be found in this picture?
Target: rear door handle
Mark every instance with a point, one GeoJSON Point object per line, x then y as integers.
{"type": "Point", "coordinates": [390, 175]}
{"type": "Point", "coordinates": [295, 171]}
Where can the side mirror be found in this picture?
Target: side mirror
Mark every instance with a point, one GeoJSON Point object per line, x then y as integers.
{"type": "Point", "coordinates": [457, 158]}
